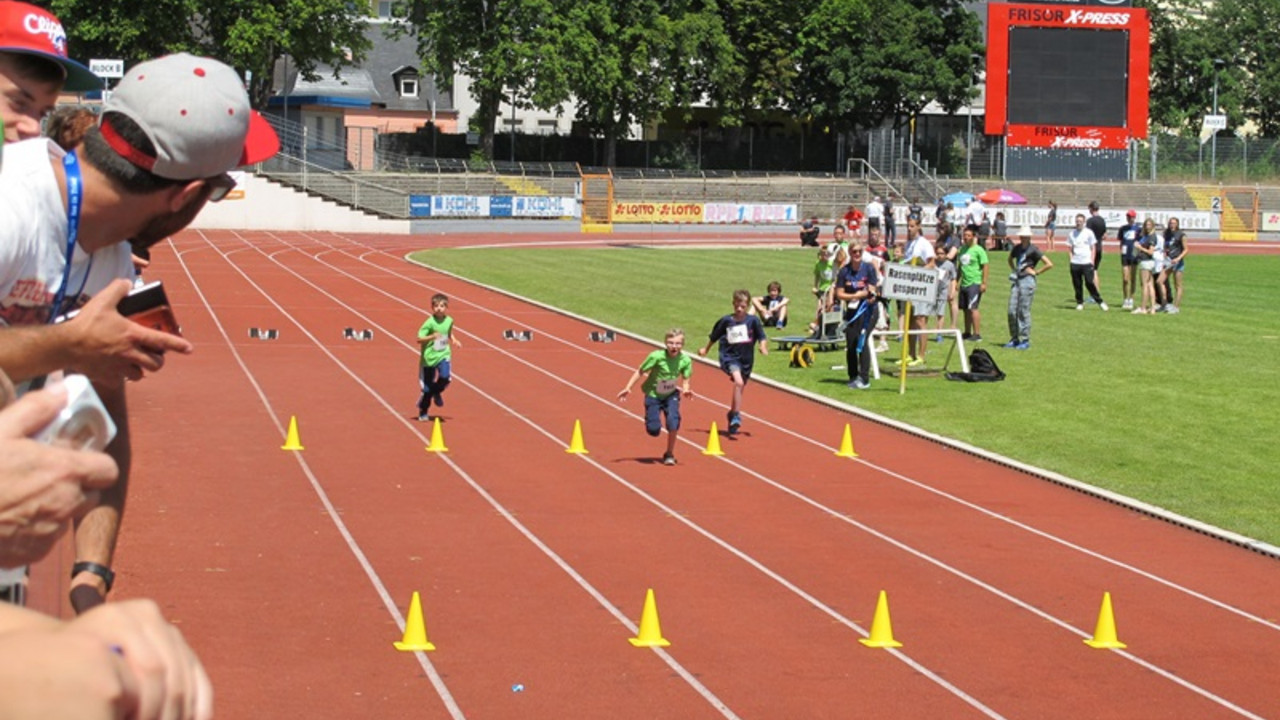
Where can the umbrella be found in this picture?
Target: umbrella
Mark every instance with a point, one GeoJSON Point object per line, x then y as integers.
{"type": "Point", "coordinates": [957, 198]}
{"type": "Point", "coordinates": [1000, 196]}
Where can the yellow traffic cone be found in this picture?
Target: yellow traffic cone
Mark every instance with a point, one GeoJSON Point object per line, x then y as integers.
{"type": "Point", "coordinates": [881, 627]}
{"type": "Point", "coordinates": [575, 445]}
{"type": "Point", "coordinates": [291, 441]}
{"type": "Point", "coordinates": [1104, 634]}
{"type": "Point", "coordinates": [415, 631]}
{"type": "Point", "coordinates": [437, 438]}
{"type": "Point", "coordinates": [713, 441]}
{"type": "Point", "coordinates": [650, 634]}
{"type": "Point", "coordinates": [846, 445]}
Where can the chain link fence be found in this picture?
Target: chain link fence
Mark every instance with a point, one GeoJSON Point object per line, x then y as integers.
{"type": "Point", "coordinates": [1228, 159]}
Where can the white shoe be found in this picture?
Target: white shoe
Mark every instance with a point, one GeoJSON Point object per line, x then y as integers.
{"type": "Point", "coordinates": [1104, 307]}
{"type": "Point", "coordinates": [1079, 307]}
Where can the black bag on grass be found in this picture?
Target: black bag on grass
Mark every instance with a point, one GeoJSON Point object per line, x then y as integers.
{"type": "Point", "coordinates": [982, 368]}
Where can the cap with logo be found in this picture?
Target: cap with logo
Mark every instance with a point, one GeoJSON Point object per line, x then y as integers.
{"type": "Point", "coordinates": [29, 30]}
{"type": "Point", "coordinates": [196, 113]}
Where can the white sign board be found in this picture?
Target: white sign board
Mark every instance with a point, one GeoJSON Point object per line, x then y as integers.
{"type": "Point", "coordinates": [906, 282]}
{"type": "Point", "coordinates": [1215, 122]}
{"type": "Point", "coordinates": [114, 68]}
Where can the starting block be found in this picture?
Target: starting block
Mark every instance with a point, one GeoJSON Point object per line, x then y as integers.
{"type": "Point", "coordinates": [353, 334]}
{"type": "Point", "coordinates": [606, 336]}
{"type": "Point", "coordinates": [261, 334]}
{"type": "Point", "coordinates": [518, 335]}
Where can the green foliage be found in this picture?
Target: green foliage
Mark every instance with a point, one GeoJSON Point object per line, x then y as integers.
{"type": "Point", "coordinates": [246, 34]}
{"type": "Point", "coordinates": [1169, 409]}
{"type": "Point", "coordinates": [868, 61]}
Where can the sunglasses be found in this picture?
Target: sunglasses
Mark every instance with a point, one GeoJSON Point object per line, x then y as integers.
{"type": "Point", "coordinates": [219, 186]}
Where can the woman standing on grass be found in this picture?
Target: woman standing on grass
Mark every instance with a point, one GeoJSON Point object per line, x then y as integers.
{"type": "Point", "coordinates": [1175, 247]}
{"type": "Point", "coordinates": [1145, 249]}
{"type": "Point", "coordinates": [1051, 223]}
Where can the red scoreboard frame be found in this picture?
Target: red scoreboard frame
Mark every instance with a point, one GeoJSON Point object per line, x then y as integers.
{"type": "Point", "coordinates": [1002, 16]}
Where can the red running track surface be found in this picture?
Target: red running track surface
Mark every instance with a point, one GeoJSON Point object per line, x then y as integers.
{"type": "Point", "coordinates": [290, 572]}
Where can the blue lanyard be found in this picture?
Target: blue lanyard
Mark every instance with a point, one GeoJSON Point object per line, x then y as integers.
{"type": "Point", "coordinates": [75, 196]}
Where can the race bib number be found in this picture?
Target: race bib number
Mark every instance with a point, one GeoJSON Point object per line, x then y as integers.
{"type": "Point", "coordinates": [441, 343]}
{"type": "Point", "coordinates": [738, 334]}
{"type": "Point", "coordinates": [666, 387]}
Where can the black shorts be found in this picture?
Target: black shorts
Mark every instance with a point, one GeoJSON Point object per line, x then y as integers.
{"type": "Point", "coordinates": [970, 297]}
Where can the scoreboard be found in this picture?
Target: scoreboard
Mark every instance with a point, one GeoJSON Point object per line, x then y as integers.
{"type": "Point", "coordinates": [1070, 77]}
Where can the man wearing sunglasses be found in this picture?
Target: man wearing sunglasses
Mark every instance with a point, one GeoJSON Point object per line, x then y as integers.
{"type": "Point", "coordinates": [167, 138]}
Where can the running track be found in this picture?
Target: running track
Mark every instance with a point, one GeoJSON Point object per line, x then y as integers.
{"type": "Point", "coordinates": [290, 572]}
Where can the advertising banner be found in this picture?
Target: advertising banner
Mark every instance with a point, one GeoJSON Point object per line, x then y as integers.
{"type": "Point", "coordinates": [625, 212]}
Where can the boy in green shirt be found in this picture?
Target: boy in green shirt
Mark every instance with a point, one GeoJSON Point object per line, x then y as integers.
{"type": "Point", "coordinates": [436, 339]}
{"type": "Point", "coordinates": [973, 283]}
{"type": "Point", "coordinates": [666, 374]}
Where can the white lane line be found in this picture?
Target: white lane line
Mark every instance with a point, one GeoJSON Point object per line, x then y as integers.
{"type": "Point", "coordinates": [807, 500]}
{"type": "Point", "coordinates": [436, 681]}
{"type": "Point", "coordinates": [679, 669]}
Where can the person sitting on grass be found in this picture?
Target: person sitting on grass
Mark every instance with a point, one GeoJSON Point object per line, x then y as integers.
{"type": "Point", "coordinates": [666, 376]}
{"type": "Point", "coordinates": [737, 334]}
{"type": "Point", "coordinates": [771, 307]}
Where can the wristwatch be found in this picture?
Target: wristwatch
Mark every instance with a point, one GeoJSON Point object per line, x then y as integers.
{"type": "Point", "coordinates": [108, 576]}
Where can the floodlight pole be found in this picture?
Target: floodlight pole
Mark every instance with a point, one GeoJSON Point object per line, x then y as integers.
{"type": "Point", "coordinates": [968, 143]}
{"type": "Point", "coordinates": [1213, 148]}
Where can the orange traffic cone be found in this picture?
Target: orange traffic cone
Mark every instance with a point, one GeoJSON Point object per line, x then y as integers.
{"type": "Point", "coordinates": [650, 634]}
{"type": "Point", "coordinates": [437, 438]}
{"type": "Point", "coordinates": [713, 441]}
{"type": "Point", "coordinates": [881, 627]}
{"type": "Point", "coordinates": [575, 445]}
{"type": "Point", "coordinates": [846, 444]}
{"type": "Point", "coordinates": [415, 631]}
{"type": "Point", "coordinates": [291, 441]}
{"type": "Point", "coordinates": [1104, 634]}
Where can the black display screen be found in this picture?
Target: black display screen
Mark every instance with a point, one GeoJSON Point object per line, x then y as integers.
{"type": "Point", "coordinates": [1068, 76]}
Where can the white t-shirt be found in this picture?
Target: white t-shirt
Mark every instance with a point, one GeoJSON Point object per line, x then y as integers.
{"type": "Point", "coordinates": [875, 210]}
{"type": "Point", "coordinates": [919, 249]}
{"type": "Point", "coordinates": [1081, 243]}
{"type": "Point", "coordinates": [975, 212]}
{"type": "Point", "coordinates": [33, 240]}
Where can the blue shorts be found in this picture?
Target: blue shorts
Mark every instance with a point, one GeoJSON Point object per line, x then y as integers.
{"type": "Point", "coordinates": [728, 366]}
{"type": "Point", "coordinates": [669, 406]}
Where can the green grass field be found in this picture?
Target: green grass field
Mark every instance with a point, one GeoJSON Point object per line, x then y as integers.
{"type": "Point", "coordinates": [1175, 410]}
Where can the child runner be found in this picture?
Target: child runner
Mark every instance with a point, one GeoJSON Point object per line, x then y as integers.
{"type": "Point", "coordinates": [436, 339]}
{"type": "Point", "coordinates": [666, 374]}
{"type": "Point", "coordinates": [824, 277]}
{"type": "Point", "coordinates": [737, 334]}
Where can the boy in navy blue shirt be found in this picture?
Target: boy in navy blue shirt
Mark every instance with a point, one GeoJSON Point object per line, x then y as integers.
{"type": "Point", "coordinates": [737, 334]}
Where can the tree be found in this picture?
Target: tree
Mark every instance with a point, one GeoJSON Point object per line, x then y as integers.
{"type": "Point", "coordinates": [1251, 80]}
{"type": "Point", "coordinates": [632, 60]}
{"type": "Point", "coordinates": [249, 35]}
{"type": "Point", "coordinates": [508, 48]}
{"type": "Point", "coordinates": [865, 62]}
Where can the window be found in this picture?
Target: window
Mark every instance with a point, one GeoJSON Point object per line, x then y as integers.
{"type": "Point", "coordinates": [384, 9]}
{"type": "Point", "coordinates": [548, 127]}
{"type": "Point", "coordinates": [409, 86]}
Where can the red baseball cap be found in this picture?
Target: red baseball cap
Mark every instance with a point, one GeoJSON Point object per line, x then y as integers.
{"type": "Point", "coordinates": [29, 30]}
{"type": "Point", "coordinates": [1131, 213]}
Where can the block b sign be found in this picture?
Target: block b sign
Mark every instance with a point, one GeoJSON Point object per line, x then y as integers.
{"type": "Point", "coordinates": [107, 68]}
{"type": "Point", "coordinates": [905, 282]}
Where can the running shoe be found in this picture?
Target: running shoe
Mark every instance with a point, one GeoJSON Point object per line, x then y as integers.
{"type": "Point", "coordinates": [668, 459]}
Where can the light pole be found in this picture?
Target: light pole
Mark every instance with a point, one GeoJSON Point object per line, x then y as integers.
{"type": "Point", "coordinates": [1213, 149]}
{"type": "Point", "coordinates": [968, 143]}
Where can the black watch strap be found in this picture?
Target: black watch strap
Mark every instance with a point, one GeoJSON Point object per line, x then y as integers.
{"type": "Point", "coordinates": [102, 571]}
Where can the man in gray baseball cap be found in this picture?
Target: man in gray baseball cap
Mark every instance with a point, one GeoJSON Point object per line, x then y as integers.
{"type": "Point", "coordinates": [168, 136]}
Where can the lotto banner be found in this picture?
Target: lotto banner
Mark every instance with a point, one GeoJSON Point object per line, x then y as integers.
{"type": "Point", "coordinates": [625, 212]}
{"type": "Point", "coordinates": [1270, 221]}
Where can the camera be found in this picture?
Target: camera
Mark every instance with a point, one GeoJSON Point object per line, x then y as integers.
{"type": "Point", "coordinates": [84, 423]}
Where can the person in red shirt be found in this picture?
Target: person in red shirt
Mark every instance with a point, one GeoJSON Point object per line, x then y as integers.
{"type": "Point", "coordinates": [853, 220]}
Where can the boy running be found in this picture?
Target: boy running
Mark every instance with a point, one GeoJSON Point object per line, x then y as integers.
{"type": "Point", "coordinates": [737, 334]}
{"type": "Point", "coordinates": [666, 373]}
{"type": "Point", "coordinates": [436, 339]}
